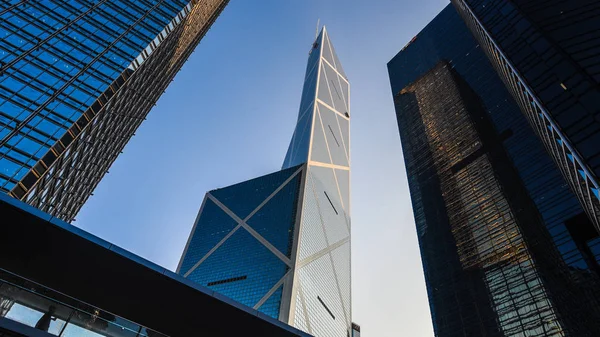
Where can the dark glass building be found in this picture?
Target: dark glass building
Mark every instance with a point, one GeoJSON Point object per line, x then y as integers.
{"type": "Point", "coordinates": [548, 55]}
{"type": "Point", "coordinates": [507, 249]}
{"type": "Point", "coordinates": [281, 243]}
{"type": "Point", "coordinates": [76, 80]}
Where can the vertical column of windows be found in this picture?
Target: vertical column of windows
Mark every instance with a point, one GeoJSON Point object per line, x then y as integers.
{"type": "Point", "coordinates": [55, 61]}
{"type": "Point", "coordinates": [62, 188]}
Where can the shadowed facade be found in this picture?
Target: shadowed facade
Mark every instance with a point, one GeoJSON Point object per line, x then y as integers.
{"type": "Point", "coordinates": [507, 249]}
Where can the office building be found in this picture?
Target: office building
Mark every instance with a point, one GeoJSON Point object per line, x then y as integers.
{"type": "Point", "coordinates": [547, 54]}
{"type": "Point", "coordinates": [507, 249]}
{"type": "Point", "coordinates": [281, 243]}
{"type": "Point", "coordinates": [58, 280]}
{"type": "Point", "coordinates": [76, 81]}
{"type": "Point", "coordinates": [355, 330]}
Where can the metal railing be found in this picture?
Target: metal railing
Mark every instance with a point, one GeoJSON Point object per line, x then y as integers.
{"type": "Point", "coordinates": [37, 306]}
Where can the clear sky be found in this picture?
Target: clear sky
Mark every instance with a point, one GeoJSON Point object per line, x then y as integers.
{"type": "Point", "coordinates": [229, 116]}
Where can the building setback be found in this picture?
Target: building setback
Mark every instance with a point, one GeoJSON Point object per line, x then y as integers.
{"type": "Point", "coordinates": [547, 54]}
{"type": "Point", "coordinates": [507, 249]}
{"type": "Point", "coordinates": [281, 243]}
{"type": "Point", "coordinates": [76, 81]}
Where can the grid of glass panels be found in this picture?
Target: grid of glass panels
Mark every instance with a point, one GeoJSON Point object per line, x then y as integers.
{"type": "Point", "coordinates": [62, 180]}
{"type": "Point", "coordinates": [329, 106]}
{"type": "Point", "coordinates": [242, 269]}
{"type": "Point", "coordinates": [243, 198]}
{"type": "Point", "coordinates": [479, 214]}
{"type": "Point", "coordinates": [322, 290]}
{"type": "Point", "coordinates": [553, 76]}
{"type": "Point", "coordinates": [298, 150]}
{"type": "Point", "coordinates": [275, 221]}
{"type": "Point", "coordinates": [56, 58]}
{"type": "Point", "coordinates": [272, 305]}
{"type": "Point", "coordinates": [561, 253]}
{"type": "Point", "coordinates": [230, 258]}
{"type": "Point", "coordinates": [215, 226]}
{"type": "Point", "coordinates": [323, 307]}
{"type": "Point", "coordinates": [323, 266]}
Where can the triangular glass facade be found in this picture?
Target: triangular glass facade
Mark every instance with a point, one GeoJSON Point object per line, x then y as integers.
{"type": "Point", "coordinates": [275, 220]}
{"type": "Point", "coordinates": [288, 253]}
{"type": "Point", "coordinates": [243, 198]}
{"type": "Point", "coordinates": [216, 224]}
{"type": "Point", "coordinates": [241, 243]}
{"type": "Point", "coordinates": [242, 269]}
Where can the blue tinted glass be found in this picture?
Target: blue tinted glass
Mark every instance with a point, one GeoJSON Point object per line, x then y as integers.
{"type": "Point", "coordinates": [298, 150]}
{"type": "Point", "coordinates": [241, 269]}
{"type": "Point", "coordinates": [107, 39]}
{"type": "Point", "coordinates": [275, 220]}
{"type": "Point", "coordinates": [271, 306]}
{"type": "Point", "coordinates": [243, 198]}
{"type": "Point", "coordinates": [299, 146]}
{"type": "Point", "coordinates": [213, 225]}
{"type": "Point", "coordinates": [315, 53]}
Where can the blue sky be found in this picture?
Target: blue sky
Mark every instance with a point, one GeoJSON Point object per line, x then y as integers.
{"type": "Point", "coordinates": [229, 116]}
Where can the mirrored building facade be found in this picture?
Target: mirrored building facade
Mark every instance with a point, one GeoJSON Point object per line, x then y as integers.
{"type": "Point", "coordinates": [547, 54]}
{"type": "Point", "coordinates": [507, 248]}
{"type": "Point", "coordinates": [281, 243]}
{"type": "Point", "coordinates": [76, 80]}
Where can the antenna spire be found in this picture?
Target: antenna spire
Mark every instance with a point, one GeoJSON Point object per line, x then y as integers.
{"type": "Point", "coordinates": [318, 24]}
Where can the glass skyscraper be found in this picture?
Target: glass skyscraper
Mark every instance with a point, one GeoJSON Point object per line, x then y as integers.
{"type": "Point", "coordinates": [547, 54]}
{"type": "Point", "coordinates": [76, 80]}
{"type": "Point", "coordinates": [281, 243]}
{"type": "Point", "coordinates": [507, 248]}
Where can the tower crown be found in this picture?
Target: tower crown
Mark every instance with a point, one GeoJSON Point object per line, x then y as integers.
{"type": "Point", "coordinates": [323, 128]}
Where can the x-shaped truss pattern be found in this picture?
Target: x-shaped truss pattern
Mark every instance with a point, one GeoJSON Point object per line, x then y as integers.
{"type": "Point", "coordinates": [281, 243]}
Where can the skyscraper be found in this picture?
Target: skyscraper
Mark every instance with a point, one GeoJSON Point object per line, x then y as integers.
{"type": "Point", "coordinates": [507, 249]}
{"type": "Point", "coordinates": [76, 81]}
{"type": "Point", "coordinates": [547, 54]}
{"type": "Point", "coordinates": [281, 243]}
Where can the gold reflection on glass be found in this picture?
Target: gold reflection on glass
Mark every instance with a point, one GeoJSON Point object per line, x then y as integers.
{"type": "Point", "coordinates": [482, 222]}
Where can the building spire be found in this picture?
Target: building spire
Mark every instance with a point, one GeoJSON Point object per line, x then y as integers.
{"type": "Point", "coordinates": [317, 32]}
